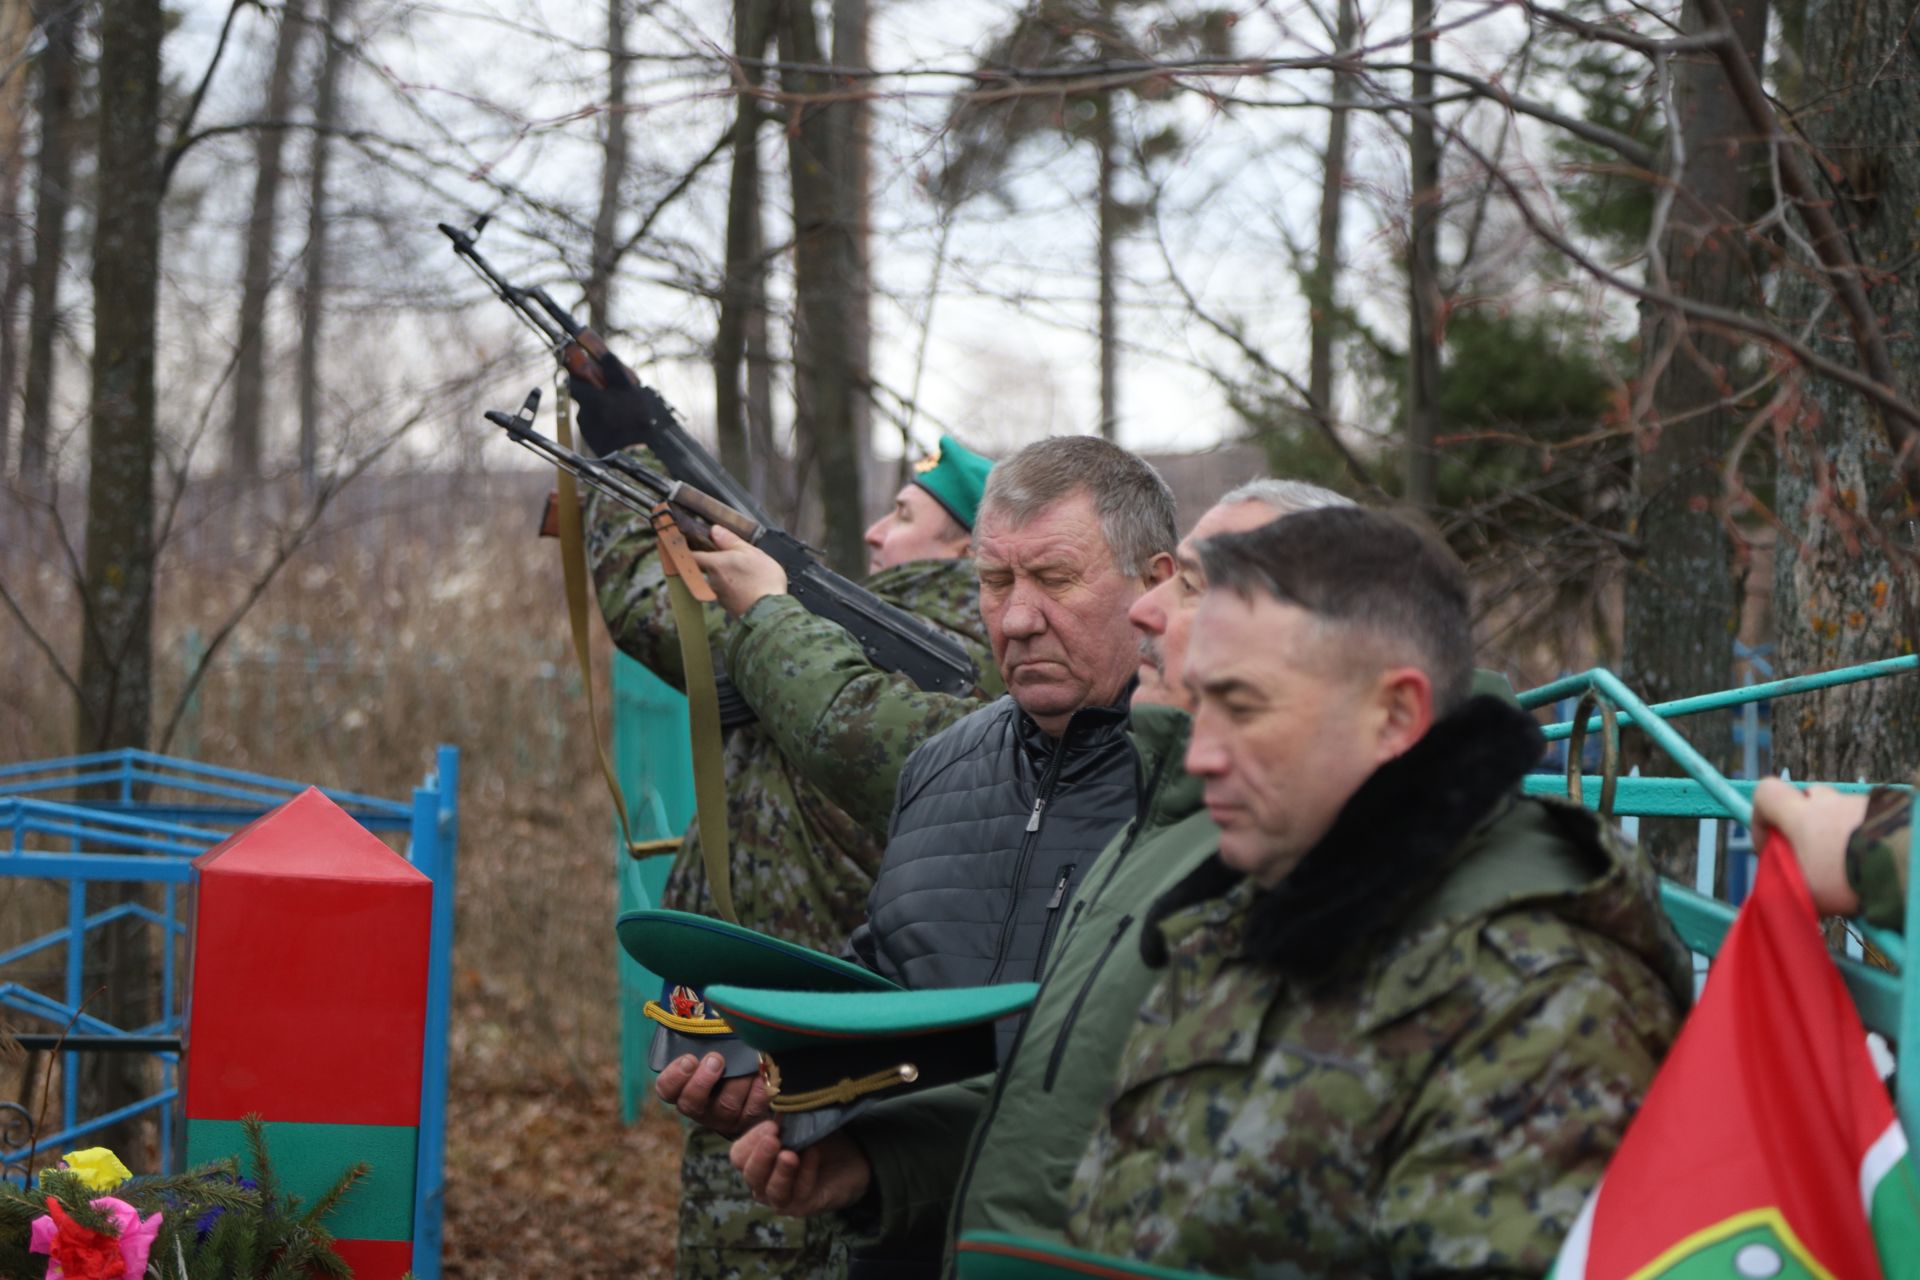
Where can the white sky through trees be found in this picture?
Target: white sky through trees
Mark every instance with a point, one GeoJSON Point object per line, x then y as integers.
{"type": "Point", "coordinates": [470, 105]}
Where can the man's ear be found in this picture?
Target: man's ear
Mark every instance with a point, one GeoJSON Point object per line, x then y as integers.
{"type": "Point", "coordinates": [1405, 705]}
{"type": "Point", "coordinates": [1159, 569]}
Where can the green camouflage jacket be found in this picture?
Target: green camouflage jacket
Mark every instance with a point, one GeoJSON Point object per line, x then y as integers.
{"type": "Point", "coordinates": [1877, 857]}
{"type": "Point", "coordinates": [844, 725]}
{"type": "Point", "coordinates": [801, 866]}
{"type": "Point", "coordinates": [1410, 1058]}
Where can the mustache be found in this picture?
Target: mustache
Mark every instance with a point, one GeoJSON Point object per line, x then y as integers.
{"type": "Point", "coordinates": [1150, 653]}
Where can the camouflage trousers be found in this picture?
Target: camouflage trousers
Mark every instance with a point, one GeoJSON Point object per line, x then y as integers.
{"type": "Point", "coordinates": [726, 1235]}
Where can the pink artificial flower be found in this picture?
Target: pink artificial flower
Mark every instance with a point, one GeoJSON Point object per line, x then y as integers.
{"type": "Point", "coordinates": [81, 1254]}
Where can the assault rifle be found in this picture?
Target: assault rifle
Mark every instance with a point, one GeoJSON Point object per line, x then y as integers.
{"type": "Point", "coordinates": [580, 351]}
{"type": "Point", "coordinates": [892, 638]}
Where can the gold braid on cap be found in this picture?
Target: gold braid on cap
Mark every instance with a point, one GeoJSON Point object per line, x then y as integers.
{"type": "Point", "coordinates": [654, 1012]}
{"type": "Point", "coordinates": [927, 463]}
{"type": "Point", "coordinates": [838, 1095]}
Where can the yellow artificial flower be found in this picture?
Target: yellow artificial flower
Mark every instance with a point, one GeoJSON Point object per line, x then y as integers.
{"type": "Point", "coordinates": [98, 1167]}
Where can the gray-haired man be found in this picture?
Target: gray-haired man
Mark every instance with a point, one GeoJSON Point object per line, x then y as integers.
{"type": "Point", "coordinates": [995, 820]}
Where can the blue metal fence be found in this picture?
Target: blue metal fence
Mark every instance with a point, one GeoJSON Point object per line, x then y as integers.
{"type": "Point", "coordinates": [137, 817]}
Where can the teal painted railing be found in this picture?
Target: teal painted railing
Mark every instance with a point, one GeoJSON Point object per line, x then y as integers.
{"type": "Point", "coordinates": [1887, 1003]}
{"type": "Point", "coordinates": [654, 762]}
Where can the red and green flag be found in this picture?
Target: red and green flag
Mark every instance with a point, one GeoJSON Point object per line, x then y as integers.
{"type": "Point", "coordinates": [1767, 1147]}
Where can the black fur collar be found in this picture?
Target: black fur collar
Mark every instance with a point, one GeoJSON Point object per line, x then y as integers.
{"type": "Point", "coordinates": [1387, 849]}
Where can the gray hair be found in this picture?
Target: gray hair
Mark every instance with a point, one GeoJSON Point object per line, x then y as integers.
{"type": "Point", "coordinates": [1287, 497]}
{"type": "Point", "coordinates": [1134, 504]}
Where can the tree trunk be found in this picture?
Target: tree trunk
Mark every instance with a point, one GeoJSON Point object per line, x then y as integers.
{"type": "Point", "coordinates": [315, 280]}
{"type": "Point", "coordinates": [825, 276]}
{"type": "Point", "coordinates": [53, 174]}
{"type": "Point", "coordinates": [853, 161]}
{"type": "Point", "coordinates": [1108, 232]}
{"type": "Point", "coordinates": [1323, 316]}
{"type": "Point", "coordinates": [16, 27]}
{"type": "Point", "coordinates": [1845, 586]}
{"type": "Point", "coordinates": [1423, 266]}
{"type": "Point", "coordinates": [1681, 609]}
{"type": "Point", "coordinates": [613, 170]}
{"type": "Point", "coordinates": [116, 654]}
{"type": "Point", "coordinates": [770, 476]}
{"type": "Point", "coordinates": [257, 275]}
{"type": "Point", "coordinates": [740, 285]}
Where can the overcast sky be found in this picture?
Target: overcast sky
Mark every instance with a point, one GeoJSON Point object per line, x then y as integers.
{"type": "Point", "coordinates": [507, 94]}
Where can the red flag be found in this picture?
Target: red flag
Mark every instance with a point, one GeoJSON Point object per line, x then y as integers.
{"type": "Point", "coordinates": [1767, 1146]}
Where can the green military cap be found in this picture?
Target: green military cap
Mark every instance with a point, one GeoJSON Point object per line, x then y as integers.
{"type": "Point", "coordinates": [829, 1056]}
{"type": "Point", "coordinates": [994, 1255]}
{"type": "Point", "coordinates": [956, 476]}
{"type": "Point", "coordinates": [691, 952]}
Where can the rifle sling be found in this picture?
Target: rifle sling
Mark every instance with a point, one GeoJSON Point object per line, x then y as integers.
{"type": "Point", "coordinates": [573, 565]}
{"type": "Point", "coordinates": [686, 591]}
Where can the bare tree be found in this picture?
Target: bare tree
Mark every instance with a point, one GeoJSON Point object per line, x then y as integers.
{"type": "Point", "coordinates": [1423, 281]}
{"type": "Point", "coordinates": [1681, 610]}
{"type": "Point", "coordinates": [1322, 302]}
{"type": "Point", "coordinates": [742, 287]}
{"type": "Point", "coordinates": [1106, 267]}
{"type": "Point", "coordinates": [314, 284]}
{"type": "Point", "coordinates": [825, 270]}
{"type": "Point", "coordinates": [16, 27]}
{"type": "Point", "coordinates": [116, 652]}
{"type": "Point", "coordinates": [853, 142]}
{"type": "Point", "coordinates": [613, 169]}
{"type": "Point", "coordinates": [53, 178]}
{"type": "Point", "coordinates": [257, 274]}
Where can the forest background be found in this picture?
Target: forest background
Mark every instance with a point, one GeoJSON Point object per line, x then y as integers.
{"type": "Point", "coordinates": [1620, 296]}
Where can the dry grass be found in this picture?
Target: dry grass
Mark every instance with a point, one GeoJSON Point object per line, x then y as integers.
{"type": "Point", "coordinates": [426, 612]}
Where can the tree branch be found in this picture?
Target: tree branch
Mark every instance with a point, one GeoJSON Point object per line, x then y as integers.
{"type": "Point", "coordinates": [177, 148]}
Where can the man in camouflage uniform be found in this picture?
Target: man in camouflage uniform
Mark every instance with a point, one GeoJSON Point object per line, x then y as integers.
{"type": "Point", "coordinates": [1404, 1016]}
{"type": "Point", "coordinates": [801, 867]}
{"type": "Point", "coordinates": [1852, 847]}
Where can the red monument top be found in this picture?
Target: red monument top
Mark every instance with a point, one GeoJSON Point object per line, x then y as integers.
{"type": "Point", "coordinates": [308, 837]}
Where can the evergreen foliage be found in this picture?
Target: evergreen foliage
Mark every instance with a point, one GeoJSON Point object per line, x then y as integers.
{"type": "Point", "coordinates": [219, 1224]}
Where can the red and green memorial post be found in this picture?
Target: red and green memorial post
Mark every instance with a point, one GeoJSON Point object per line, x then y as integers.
{"type": "Point", "coordinates": [308, 1006]}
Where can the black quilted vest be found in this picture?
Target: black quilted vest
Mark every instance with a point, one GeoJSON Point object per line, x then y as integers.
{"type": "Point", "coordinates": [994, 824]}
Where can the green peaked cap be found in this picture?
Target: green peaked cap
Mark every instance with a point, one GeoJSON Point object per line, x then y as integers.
{"type": "Point", "coordinates": [830, 1056]}
{"type": "Point", "coordinates": [773, 1021]}
{"type": "Point", "coordinates": [994, 1255]}
{"type": "Point", "coordinates": [956, 476]}
{"type": "Point", "coordinates": [700, 951]}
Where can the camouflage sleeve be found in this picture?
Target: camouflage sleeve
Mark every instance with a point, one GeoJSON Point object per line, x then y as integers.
{"type": "Point", "coordinates": [917, 1147]}
{"type": "Point", "coordinates": [1500, 1149]}
{"type": "Point", "coordinates": [846, 724]}
{"type": "Point", "coordinates": [632, 588]}
{"type": "Point", "coordinates": [1877, 857]}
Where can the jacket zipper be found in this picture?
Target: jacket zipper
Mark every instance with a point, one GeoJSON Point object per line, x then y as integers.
{"type": "Point", "coordinates": [1020, 1037]}
{"type": "Point", "coordinates": [1054, 904]}
{"type": "Point", "coordinates": [1040, 799]}
{"type": "Point", "coordinates": [1073, 917]}
{"type": "Point", "coordinates": [1079, 999]}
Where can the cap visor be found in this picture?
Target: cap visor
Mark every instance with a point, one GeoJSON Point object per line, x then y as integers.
{"type": "Point", "coordinates": [772, 1019]}
{"type": "Point", "coordinates": [700, 951]}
